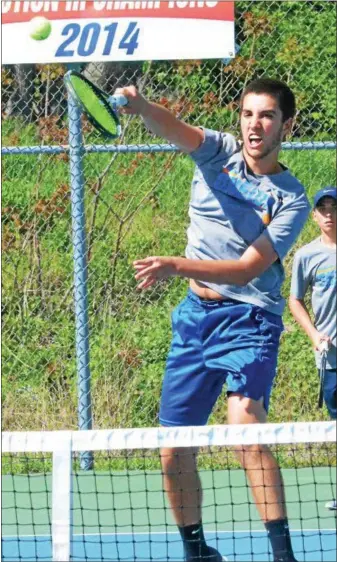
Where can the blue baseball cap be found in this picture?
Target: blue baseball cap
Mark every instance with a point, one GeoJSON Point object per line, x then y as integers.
{"type": "Point", "coordinates": [325, 192]}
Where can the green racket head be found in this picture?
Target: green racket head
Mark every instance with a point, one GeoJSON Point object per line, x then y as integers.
{"type": "Point", "coordinates": [94, 103]}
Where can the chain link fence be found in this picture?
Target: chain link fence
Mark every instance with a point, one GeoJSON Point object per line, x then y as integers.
{"type": "Point", "coordinates": [136, 204]}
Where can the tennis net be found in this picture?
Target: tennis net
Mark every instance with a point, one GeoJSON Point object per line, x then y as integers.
{"type": "Point", "coordinates": [54, 510]}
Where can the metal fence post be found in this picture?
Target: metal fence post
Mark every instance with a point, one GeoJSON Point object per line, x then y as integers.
{"type": "Point", "coordinates": [76, 152]}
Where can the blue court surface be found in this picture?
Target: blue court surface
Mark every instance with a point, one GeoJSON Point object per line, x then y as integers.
{"type": "Point", "coordinates": [309, 546]}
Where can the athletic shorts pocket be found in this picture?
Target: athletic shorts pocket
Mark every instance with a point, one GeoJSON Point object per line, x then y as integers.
{"type": "Point", "coordinates": [270, 325]}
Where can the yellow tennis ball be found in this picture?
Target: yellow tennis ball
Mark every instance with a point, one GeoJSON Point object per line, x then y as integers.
{"type": "Point", "coordinates": [40, 28]}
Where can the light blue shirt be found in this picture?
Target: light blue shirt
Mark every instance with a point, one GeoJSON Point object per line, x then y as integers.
{"type": "Point", "coordinates": [230, 208]}
{"type": "Point", "coordinates": [314, 270]}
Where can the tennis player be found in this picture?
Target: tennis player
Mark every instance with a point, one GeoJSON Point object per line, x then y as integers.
{"type": "Point", "coordinates": [314, 271]}
{"type": "Point", "coordinates": [246, 211]}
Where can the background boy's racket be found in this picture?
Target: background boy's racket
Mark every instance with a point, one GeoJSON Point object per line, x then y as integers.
{"type": "Point", "coordinates": [99, 107]}
{"type": "Point", "coordinates": [324, 347]}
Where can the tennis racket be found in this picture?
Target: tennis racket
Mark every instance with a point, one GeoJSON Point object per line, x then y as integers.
{"type": "Point", "coordinates": [324, 348]}
{"type": "Point", "coordinates": [100, 108]}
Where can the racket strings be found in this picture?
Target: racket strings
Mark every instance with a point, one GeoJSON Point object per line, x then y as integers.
{"type": "Point", "coordinates": [95, 106]}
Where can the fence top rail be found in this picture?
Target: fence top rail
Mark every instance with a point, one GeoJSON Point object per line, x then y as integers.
{"type": "Point", "coordinates": [153, 438]}
{"type": "Point", "coordinates": [10, 150]}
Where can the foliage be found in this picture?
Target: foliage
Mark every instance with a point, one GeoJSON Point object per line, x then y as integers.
{"type": "Point", "coordinates": [291, 41]}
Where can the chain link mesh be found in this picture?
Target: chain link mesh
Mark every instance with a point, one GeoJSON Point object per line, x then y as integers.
{"type": "Point", "coordinates": [136, 205]}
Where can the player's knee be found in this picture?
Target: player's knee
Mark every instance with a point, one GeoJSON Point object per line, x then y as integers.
{"type": "Point", "coordinates": [251, 456]}
{"type": "Point", "coordinates": [178, 460]}
{"type": "Point", "coordinates": [245, 410]}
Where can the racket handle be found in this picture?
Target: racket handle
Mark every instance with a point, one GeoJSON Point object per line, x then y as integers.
{"type": "Point", "coordinates": [118, 100]}
{"type": "Point", "coordinates": [324, 347]}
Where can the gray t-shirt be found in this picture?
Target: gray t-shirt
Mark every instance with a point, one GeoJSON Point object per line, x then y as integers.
{"type": "Point", "coordinates": [314, 268]}
{"type": "Point", "coordinates": [231, 207]}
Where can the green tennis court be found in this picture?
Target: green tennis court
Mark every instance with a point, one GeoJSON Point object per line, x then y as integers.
{"type": "Point", "coordinates": [119, 516]}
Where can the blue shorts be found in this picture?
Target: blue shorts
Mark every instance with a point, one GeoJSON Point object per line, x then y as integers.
{"type": "Point", "coordinates": [217, 342]}
{"type": "Point", "coordinates": [329, 391]}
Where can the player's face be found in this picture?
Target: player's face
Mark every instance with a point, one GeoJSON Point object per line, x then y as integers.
{"type": "Point", "coordinates": [262, 127]}
{"type": "Point", "coordinates": [325, 215]}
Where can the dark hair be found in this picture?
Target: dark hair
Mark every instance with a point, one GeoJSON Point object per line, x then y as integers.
{"type": "Point", "coordinates": [278, 90]}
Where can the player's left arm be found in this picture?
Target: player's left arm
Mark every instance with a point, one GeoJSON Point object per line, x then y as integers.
{"type": "Point", "coordinates": [274, 243]}
{"type": "Point", "coordinates": [255, 260]}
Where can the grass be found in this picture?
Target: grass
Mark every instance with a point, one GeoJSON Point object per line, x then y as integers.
{"type": "Point", "coordinates": [136, 205]}
{"type": "Point", "coordinates": [304, 455]}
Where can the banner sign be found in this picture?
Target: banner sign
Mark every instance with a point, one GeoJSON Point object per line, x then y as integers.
{"type": "Point", "coordinates": [68, 31]}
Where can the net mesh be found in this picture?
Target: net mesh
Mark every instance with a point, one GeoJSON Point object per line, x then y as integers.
{"type": "Point", "coordinates": [119, 510]}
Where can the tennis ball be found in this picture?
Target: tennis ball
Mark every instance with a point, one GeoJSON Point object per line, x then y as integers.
{"type": "Point", "coordinates": [40, 28]}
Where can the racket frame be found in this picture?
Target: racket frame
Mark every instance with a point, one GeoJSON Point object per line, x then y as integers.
{"type": "Point", "coordinates": [102, 98]}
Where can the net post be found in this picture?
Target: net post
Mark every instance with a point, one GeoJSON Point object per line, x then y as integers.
{"type": "Point", "coordinates": [76, 151]}
{"type": "Point", "coordinates": [62, 498]}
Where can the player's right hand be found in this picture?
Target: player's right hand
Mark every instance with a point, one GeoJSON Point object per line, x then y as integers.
{"type": "Point", "coordinates": [137, 104]}
{"type": "Point", "coordinates": [152, 269]}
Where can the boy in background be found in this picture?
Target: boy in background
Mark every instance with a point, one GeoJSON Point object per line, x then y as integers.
{"type": "Point", "coordinates": [314, 269]}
